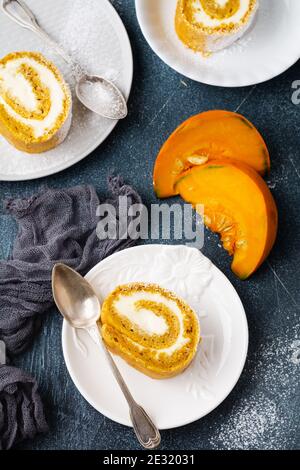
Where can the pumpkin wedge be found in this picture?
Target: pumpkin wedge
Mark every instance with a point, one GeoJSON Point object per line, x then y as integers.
{"type": "Point", "coordinates": [210, 135]}
{"type": "Point", "coordinates": [238, 205]}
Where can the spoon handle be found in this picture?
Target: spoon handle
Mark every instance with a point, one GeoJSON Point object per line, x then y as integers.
{"type": "Point", "coordinates": [147, 433]}
{"type": "Point", "coordinates": [20, 13]}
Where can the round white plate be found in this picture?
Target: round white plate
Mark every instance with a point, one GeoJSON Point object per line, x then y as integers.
{"type": "Point", "coordinates": [94, 34]}
{"type": "Point", "coordinates": [221, 354]}
{"type": "Point", "coordinates": [270, 48]}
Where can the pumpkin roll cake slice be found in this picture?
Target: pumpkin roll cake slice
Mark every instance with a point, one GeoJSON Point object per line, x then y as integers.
{"type": "Point", "coordinates": [35, 102]}
{"type": "Point", "coordinates": [151, 328]}
{"type": "Point", "coordinates": [210, 25]}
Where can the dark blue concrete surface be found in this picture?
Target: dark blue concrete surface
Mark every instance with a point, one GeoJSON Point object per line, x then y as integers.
{"type": "Point", "coordinates": [263, 410]}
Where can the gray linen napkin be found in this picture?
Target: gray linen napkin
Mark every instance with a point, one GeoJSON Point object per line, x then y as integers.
{"type": "Point", "coordinates": [21, 409]}
{"type": "Point", "coordinates": [57, 225]}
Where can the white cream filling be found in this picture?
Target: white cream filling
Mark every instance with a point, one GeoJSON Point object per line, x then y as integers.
{"type": "Point", "coordinates": [148, 321]}
{"type": "Point", "coordinates": [203, 18]}
{"type": "Point", "coordinates": [16, 84]}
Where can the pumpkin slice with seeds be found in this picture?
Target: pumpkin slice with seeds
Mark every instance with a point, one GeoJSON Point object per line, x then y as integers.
{"type": "Point", "coordinates": [237, 204]}
{"type": "Point", "coordinates": [210, 135]}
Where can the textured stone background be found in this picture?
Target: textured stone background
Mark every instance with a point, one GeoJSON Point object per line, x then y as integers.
{"type": "Point", "coordinates": [262, 411]}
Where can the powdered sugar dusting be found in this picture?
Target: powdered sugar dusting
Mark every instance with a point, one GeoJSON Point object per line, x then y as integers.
{"type": "Point", "coordinates": [80, 39]}
{"type": "Point", "coordinates": [248, 425]}
{"type": "Point", "coordinates": [101, 97]}
{"type": "Point", "coordinates": [295, 359]}
{"type": "Point", "coordinates": [258, 422]}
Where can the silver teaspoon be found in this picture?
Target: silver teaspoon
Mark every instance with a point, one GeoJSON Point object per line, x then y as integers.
{"type": "Point", "coordinates": [96, 93]}
{"type": "Point", "coordinates": [79, 305]}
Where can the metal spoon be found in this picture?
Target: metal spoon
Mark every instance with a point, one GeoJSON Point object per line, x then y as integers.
{"type": "Point", "coordinates": [79, 305]}
{"type": "Point", "coordinates": [96, 93]}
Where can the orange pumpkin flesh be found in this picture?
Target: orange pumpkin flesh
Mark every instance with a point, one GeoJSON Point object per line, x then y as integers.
{"type": "Point", "coordinates": [210, 135]}
{"type": "Point", "coordinates": [239, 206]}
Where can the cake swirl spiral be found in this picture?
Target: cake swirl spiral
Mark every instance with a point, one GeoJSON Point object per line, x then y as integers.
{"type": "Point", "coordinates": [35, 102]}
{"type": "Point", "coordinates": [210, 25]}
{"type": "Point", "coordinates": [151, 328]}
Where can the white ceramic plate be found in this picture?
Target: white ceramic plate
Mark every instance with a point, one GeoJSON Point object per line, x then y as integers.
{"type": "Point", "coordinates": [93, 32]}
{"type": "Point", "coordinates": [220, 358]}
{"type": "Point", "coordinates": [270, 48]}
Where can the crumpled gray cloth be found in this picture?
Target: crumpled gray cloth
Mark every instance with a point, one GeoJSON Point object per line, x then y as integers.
{"type": "Point", "coordinates": [57, 225]}
{"type": "Point", "coordinates": [21, 410]}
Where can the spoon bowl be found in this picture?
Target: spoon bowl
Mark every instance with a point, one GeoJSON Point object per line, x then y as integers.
{"type": "Point", "coordinates": [74, 297]}
{"type": "Point", "coordinates": [101, 96]}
